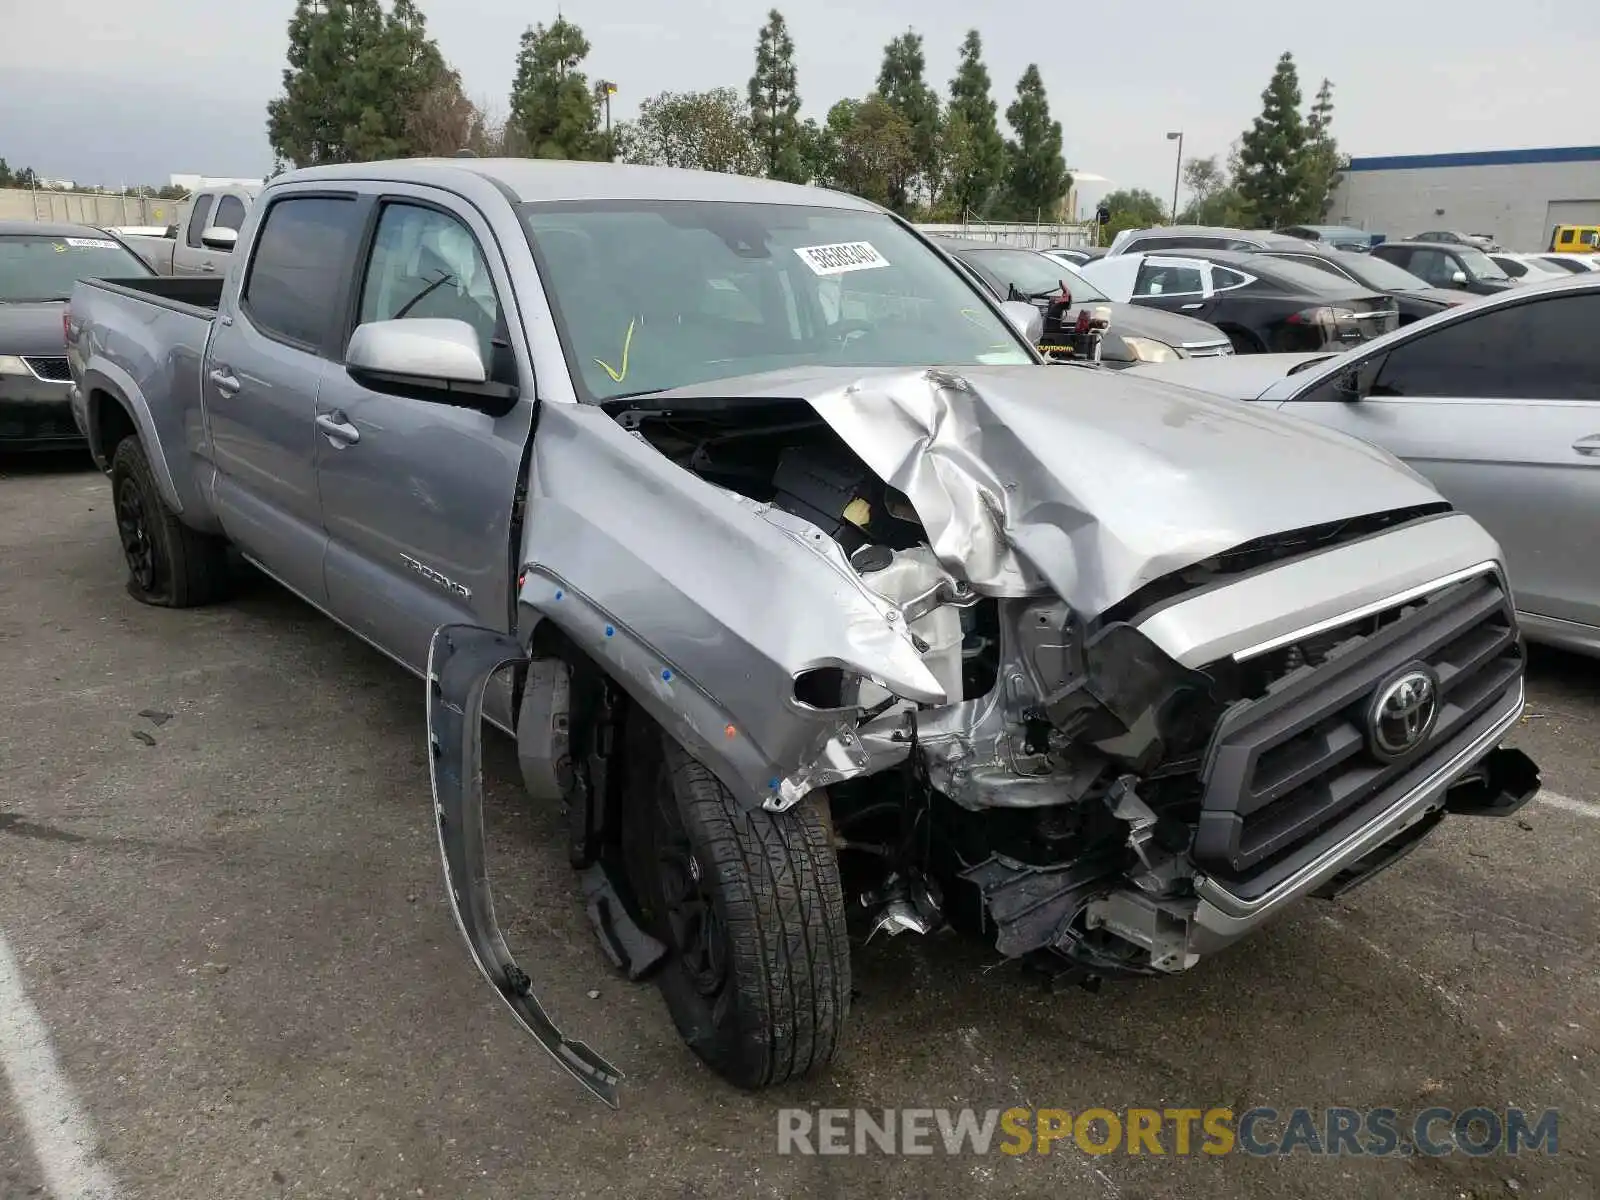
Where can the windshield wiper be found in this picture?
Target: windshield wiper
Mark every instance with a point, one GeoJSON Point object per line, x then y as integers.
{"type": "Point", "coordinates": [415, 300]}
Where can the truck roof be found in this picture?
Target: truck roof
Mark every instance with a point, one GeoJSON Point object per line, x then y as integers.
{"type": "Point", "coordinates": [533, 179]}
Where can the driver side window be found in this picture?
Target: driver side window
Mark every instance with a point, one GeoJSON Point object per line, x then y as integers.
{"type": "Point", "coordinates": [425, 263]}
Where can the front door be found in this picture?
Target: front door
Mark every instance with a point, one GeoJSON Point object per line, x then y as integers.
{"type": "Point", "coordinates": [263, 367]}
{"type": "Point", "coordinates": [417, 495]}
{"type": "Point", "coordinates": [1501, 411]}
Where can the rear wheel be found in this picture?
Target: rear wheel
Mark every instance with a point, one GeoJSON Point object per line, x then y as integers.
{"type": "Point", "coordinates": [749, 904]}
{"type": "Point", "coordinates": [169, 564]}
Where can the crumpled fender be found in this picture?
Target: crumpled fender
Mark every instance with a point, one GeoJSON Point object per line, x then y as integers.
{"type": "Point", "coordinates": [461, 660]}
{"type": "Point", "coordinates": [704, 606]}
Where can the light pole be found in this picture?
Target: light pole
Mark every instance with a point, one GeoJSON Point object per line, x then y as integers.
{"type": "Point", "coordinates": [1177, 172]}
{"type": "Point", "coordinates": [606, 89]}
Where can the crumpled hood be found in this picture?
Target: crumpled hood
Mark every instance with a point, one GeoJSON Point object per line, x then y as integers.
{"type": "Point", "coordinates": [1089, 484]}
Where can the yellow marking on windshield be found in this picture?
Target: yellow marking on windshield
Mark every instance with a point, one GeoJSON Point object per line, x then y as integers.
{"type": "Point", "coordinates": [619, 376]}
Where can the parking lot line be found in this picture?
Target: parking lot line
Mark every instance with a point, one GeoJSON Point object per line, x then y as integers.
{"type": "Point", "coordinates": [1584, 808]}
{"type": "Point", "coordinates": [58, 1128]}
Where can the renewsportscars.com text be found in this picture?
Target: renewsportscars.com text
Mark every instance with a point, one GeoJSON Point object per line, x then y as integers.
{"type": "Point", "coordinates": [1382, 1132]}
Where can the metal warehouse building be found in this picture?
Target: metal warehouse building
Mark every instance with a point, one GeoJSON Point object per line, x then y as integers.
{"type": "Point", "coordinates": [1515, 196]}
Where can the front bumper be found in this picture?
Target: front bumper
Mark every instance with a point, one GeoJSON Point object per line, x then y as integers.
{"type": "Point", "coordinates": [36, 414]}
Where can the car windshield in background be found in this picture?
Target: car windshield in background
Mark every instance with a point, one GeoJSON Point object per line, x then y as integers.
{"type": "Point", "coordinates": [1480, 264]}
{"type": "Point", "coordinates": [652, 295]}
{"type": "Point", "coordinates": [39, 267]}
{"type": "Point", "coordinates": [1380, 273]}
{"type": "Point", "coordinates": [1031, 273]}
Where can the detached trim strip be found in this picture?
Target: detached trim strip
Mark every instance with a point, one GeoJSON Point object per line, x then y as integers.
{"type": "Point", "coordinates": [1366, 610]}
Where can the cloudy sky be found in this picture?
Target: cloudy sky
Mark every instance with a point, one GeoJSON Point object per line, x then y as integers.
{"type": "Point", "coordinates": [135, 90]}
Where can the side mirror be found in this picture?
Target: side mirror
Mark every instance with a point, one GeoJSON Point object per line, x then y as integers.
{"type": "Point", "coordinates": [218, 237]}
{"type": "Point", "coordinates": [1025, 318]}
{"type": "Point", "coordinates": [171, 232]}
{"type": "Point", "coordinates": [431, 358]}
{"type": "Point", "coordinates": [1459, 277]}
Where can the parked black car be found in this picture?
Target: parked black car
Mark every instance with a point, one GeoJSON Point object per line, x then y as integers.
{"type": "Point", "coordinates": [39, 263]}
{"type": "Point", "coordinates": [1415, 297]}
{"type": "Point", "coordinates": [1447, 265]}
{"type": "Point", "coordinates": [1263, 304]}
{"type": "Point", "coordinates": [1136, 334]}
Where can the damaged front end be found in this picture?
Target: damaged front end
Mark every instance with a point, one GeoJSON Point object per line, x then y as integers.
{"type": "Point", "coordinates": [1094, 674]}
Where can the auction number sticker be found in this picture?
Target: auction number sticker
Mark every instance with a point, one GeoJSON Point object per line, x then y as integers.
{"type": "Point", "coordinates": [92, 243]}
{"type": "Point", "coordinates": [841, 257]}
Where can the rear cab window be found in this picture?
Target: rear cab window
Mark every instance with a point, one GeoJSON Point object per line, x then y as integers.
{"type": "Point", "coordinates": [296, 282]}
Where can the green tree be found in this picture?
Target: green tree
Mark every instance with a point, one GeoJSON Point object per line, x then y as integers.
{"type": "Point", "coordinates": [1319, 173]}
{"type": "Point", "coordinates": [1036, 174]}
{"type": "Point", "coordinates": [901, 84]}
{"type": "Point", "coordinates": [775, 102]}
{"type": "Point", "coordinates": [356, 76]}
{"type": "Point", "coordinates": [871, 148]}
{"type": "Point", "coordinates": [1213, 199]}
{"type": "Point", "coordinates": [708, 131]}
{"type": "Point", "coordinates": [818, 152]}
{"type": "Point", "coordinates": [1272, 161]}
{"type": "Point", "coordinates": [1131, 208]}
{"type": "Point", "coordinates": [974, 152]}
{"type": "Point", "coordinates": [553, 113]}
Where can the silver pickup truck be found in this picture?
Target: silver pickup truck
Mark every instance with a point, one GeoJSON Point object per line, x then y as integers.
{"type": "Point", "coordinates": [201, 239]}
{"type": "Point", "coordinates": [813, 595]}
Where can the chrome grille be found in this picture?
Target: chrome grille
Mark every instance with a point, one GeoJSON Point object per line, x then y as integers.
{"type": "Point", "coordinates": [1283, 768]}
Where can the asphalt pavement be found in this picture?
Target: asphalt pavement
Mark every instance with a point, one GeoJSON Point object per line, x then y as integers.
{"type": "Point", "coordinates": [233, 972]}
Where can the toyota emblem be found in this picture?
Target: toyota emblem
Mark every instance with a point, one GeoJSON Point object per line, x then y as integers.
{"type": "Point", "coordinates": [1403, 713]}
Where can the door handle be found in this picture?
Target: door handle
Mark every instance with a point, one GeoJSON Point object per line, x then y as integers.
{"type": "Point", "coordinates": [225, 382]}
{"type": "Point", "coordinates": [208, 266]}
{"type": "Point", "coordinates": [339, 431]}
{"type": "Point", "coordinates": [1588, 445]}
{"type": "Point", "coordinates": [1201, 304]}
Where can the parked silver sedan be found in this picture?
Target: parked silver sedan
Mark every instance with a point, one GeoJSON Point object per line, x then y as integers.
{"type": "Point", "coordinates": [1498, 404]}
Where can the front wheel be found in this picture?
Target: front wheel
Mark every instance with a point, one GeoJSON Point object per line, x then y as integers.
{"type": "Point", "coordinates": [169, 564]}
{"type": "Point", "coordinates": [749, 904]}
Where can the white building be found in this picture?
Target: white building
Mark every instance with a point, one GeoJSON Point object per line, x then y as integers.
{"type": "Point", "coordinates": [1515, 196]}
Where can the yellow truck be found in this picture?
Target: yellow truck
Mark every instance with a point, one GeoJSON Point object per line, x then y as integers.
{"type": "Point", "coordinates": [1575, 239]}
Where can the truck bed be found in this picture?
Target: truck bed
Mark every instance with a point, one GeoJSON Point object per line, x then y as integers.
{"type": "Point", "coordinates": [197, 296]}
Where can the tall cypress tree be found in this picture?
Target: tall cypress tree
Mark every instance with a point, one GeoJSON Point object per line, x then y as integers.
{"type": "Point", "coordinates": [553, 110]}
{"type": "Point", "coordinates": [1319, 173]}
{"type": "Point", "coordinates": [1272, 164]}
{"type": "Point", "coordinates": [775, 102]}
{"type": "Point", "coordinates": [1036, 174]}
{"type": "Point", "coordinates": [980, 163]}
{"type": "Point", "coordinates": [903, 88]}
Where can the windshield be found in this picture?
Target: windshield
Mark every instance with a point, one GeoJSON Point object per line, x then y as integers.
{"type": "Point", "coordinates": [1032, 274]}
{"type": "Point", "coordinates": [1381, 274]}
{"type": "Point", "coordinates": [1479, 263]}
{"type": "Point", "coordinates": [37, 267]}
{"type": "Point", "coordinates": [651, 295]}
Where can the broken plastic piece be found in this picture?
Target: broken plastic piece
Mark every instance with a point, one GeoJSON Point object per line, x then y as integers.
{"type": "Point", "coordinates": [630, 949]}
{"type": "Point", "coordinates": [461, 661]}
